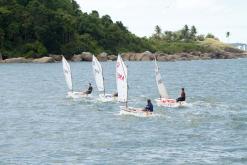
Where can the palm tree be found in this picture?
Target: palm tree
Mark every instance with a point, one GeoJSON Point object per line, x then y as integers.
{"type": "Point", "coordinates": [228, 35]}
{"type": "Point", "coordinates": [193, 32]}
{"type": "Point", "coordinates": [157, 30]}
{"type": "Point", "coordinates": [185, 33]}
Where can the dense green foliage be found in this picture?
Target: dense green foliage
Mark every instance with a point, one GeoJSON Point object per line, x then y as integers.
{"type": "Point", "coordinates": [35, 28]}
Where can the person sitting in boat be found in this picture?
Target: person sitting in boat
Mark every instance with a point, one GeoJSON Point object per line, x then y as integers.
{"type": "Point", "coordinates": [149, 106]}
{"type": "Point", "coordinates": [115, 94]}
{"type": "Point", "coordinates": [89, 90]}
{"type": "Point", "coordinates": [182, 97]}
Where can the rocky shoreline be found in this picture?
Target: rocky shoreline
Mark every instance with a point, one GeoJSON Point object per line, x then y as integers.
{"type": "Point", "coordinates": [145, 56]}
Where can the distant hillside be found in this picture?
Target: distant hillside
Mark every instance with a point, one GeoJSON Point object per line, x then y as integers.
{"type": "Point", "coordinates": [35, 28]}
{"type": "Point", "coordinates": [187, 40]}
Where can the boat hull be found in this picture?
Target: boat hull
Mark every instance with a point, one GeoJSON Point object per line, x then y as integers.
{"type": "Point", "coordinates": [134, 111]}
{"type": "Point", "coordinates": [77, 95]}
{"type": "Point", "coordinates": [171, 103]}
{"type": "Point", "coordinates": [107, 98]}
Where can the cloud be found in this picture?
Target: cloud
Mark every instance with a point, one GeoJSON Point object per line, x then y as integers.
{"type": "Point", "coordinates": [141, 16]}
{"type": "Point", "coordinates": [190, 4]}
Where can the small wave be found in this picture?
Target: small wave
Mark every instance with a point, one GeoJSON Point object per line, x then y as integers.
{"type": "Point", "coordinates": [142, 115]}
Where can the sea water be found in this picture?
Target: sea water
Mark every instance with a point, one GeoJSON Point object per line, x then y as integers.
{"type": "Point", "coordinates": [39, 125]}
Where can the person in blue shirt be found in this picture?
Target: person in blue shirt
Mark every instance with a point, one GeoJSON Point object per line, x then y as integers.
{"type": "Point", "coordinates": [149, 106]}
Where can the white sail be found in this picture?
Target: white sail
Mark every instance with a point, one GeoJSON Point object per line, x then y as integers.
{"type": "Point", "coordinates": [67, 73]}
{"type": "Point", "coordinates": [98, 74]}
{"type": "Point", "coordinates": [161, 87]}
{"type": "Point", "coordinates": [121, 77]}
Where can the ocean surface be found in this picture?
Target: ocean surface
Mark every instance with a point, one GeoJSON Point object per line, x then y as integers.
{"type": "Point", "coordinates": [39, 125]}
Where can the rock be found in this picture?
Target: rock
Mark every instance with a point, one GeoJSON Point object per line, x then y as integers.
{"type": "Point", "coordinates": [172, 57]}
{"type": "Point", "coordinates": [1, 57]}
{"type": "Point", "coordinates": [112, 57]}
{"type": "Point", "coordinates": [139, 56]}
{"type": "Point", "coordinates": [87, 56]}
{"type": "Point", "coordinates": [195, 58]}
{"type": "Point", "coordinates": [196, 53]}
{"type": "Point", "coordinates": [184, 55]}
{"type": "Point", "coordinates": [132, 57]}
{"type": "Point", "coordinates": [44, 60]}
{"type": "Point", "coordinates": [17, 60]}
{"type": "Point", "coordinates": [205, 56]}
{"type": "Point", "coordinates": [147, 52]}
{"type": "Point", "coordinates": [126, 56]}
{"type": "Point", "coordinates": [102, 56]}
{"type": "Point", "coordinates": [56, 57]}
{"type": "Point", "coordinates": [77, 58]}
{"type": "Point", "coordinates": [147, 57]}
{"type": "Point", "coordinates": [161, 58]}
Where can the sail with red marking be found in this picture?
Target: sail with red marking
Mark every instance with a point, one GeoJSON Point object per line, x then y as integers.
{"type": "Point", "coordinates": [121, 78]}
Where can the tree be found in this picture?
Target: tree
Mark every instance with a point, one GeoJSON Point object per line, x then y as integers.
{"type": "Point", "coordinates": [210, 35]}
{"type": "Point", "coordinates": [168, 35]}
{"type": "Point", "coordinates": [158, 32]}
{"type": "Point", "coordinates": [193, 32]}
{"type": "Point", "coordinates": [185, 33]}
{"type": "Point", "coordinates": [227, 34]}
{"type": "Point", "coordinates": [200, 37]}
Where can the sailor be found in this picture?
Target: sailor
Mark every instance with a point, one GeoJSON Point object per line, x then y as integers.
{"type": "Point", "coordinates": [115, 94]}
{"type": "Point", "coordinates": [149, 106]}
{"type": "Point", "coordinates": [89, 90]}
{"type": "Point", "coordinates": [182, 97]}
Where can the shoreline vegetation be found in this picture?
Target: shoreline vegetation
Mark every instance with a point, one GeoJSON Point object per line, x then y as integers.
{"type": "Point", "coordinates": [41, 31]}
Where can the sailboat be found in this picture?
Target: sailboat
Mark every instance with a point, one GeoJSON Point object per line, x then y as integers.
{"type": "Point", "coordinates": [164, 99]}
{"type": "Point", "coordinates": [122, 88]}
{"type": "Point", "coordinates": [99, 79]}
{"type": "Point", "coordinates": [68, 79]}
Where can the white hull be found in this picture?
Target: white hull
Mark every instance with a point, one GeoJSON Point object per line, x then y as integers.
{"type": "Point", "coordinates": [134, 112]}
{"type": "Point", "coordinates": [172, 103]}
{"type": "Point", "coordinates": [107, 98]}
{"type": "Point", "coordinates": [77, 95]}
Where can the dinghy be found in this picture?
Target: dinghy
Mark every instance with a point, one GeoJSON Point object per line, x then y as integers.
{"type": "Point", "coordinates": [164, 99]}
{"type": "Point", "coordinates": [122, 88]}
{"type": "Point", "coordinates": [99, 79]}
{"type": "Point", "coordinates": [68, 79]}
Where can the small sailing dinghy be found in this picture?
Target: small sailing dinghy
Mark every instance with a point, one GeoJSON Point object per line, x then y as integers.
{"type": "Point", "coordinates": [164, 99]}
{"type": "Point", "coordinates": [99, 79]}
{"type": "Point", "coordinates": [122, 88]}
{"type": "Point", "coordinates": [68, 79]}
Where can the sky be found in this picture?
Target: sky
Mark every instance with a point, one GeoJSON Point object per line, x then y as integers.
{"type": "Point", "coordinates": [209, 16]}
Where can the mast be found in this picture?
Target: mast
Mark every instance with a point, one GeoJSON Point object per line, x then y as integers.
{"type": "Point", "coordinates": [71, 79]}
{"type": "Point", "coordinates": [103, 80]}
{"type": "Point", "coordinates": [126, 104]}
